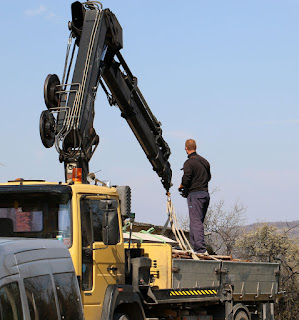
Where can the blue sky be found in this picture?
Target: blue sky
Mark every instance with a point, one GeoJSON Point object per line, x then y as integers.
{"type": "Point", "coordinates": [222, 72]}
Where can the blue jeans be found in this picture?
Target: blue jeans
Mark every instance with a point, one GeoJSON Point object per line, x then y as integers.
{"type": "Point", "coordinates": [198, 203]}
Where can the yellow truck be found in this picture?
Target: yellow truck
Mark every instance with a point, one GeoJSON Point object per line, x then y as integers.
{"type": "Point", "coordinates": [118, 280]}
{"type": "Point", "coordinates": [143, 282]}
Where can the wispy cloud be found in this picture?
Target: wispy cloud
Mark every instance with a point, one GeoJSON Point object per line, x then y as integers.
{"type": "Point", "coordinates": [41, 11]}
{"type": "Point", "coordinates": [36, 12]}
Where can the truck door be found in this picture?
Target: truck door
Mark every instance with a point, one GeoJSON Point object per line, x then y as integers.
{"type": "Point", "coordinates": [101, 265]}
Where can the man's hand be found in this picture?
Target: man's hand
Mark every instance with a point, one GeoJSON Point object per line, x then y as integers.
{"type": "Point", "coordinates": [183, 191]}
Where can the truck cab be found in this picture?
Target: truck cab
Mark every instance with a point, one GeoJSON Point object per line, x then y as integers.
{"type": "Point", "coordinates": [85, 218]}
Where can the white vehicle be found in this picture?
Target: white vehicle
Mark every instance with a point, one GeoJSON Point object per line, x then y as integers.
{"type": "Point", "coordinates": [37, 281]}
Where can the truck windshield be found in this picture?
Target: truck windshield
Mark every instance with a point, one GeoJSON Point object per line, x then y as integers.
{"type": "Point", "coordinates": [36, 215]}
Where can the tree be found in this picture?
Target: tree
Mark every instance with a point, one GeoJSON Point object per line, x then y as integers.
{"type": "Point", "coordinates": [266, 243]}
{"type": "Point", "coordinates": [222, 226]}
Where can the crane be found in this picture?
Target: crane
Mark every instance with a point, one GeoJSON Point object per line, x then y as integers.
{"type": "Point", "coordinates": [96, 38]}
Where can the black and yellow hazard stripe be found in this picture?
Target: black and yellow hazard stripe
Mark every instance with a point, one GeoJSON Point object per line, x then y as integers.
{"type": "Point", "coordinates": [169, 295]}
{"type": "Point", "coordinates": [194, 292]}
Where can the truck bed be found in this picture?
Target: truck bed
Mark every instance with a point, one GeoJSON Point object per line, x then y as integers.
{"type": "Point", "coordinates": [250, 280]}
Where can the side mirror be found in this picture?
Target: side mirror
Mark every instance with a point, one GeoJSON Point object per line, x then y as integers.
{"type": "Point", "coordinates": [110, 223]}
{"type": "Point", "coordinates": [124, 193]}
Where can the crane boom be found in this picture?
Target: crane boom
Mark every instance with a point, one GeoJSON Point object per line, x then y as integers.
{"type": "Point", "coordinates": [68, 122]}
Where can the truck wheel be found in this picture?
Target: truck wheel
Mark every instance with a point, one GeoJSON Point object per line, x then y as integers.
{"type": "Point", "coordinates": [120, 316]}
{"type": "Point", "coordinates": [241, 315]}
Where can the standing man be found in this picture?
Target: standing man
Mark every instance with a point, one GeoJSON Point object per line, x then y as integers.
{"type": "Point", "coordinates": [195, 181]}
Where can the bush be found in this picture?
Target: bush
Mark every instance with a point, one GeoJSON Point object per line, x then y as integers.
{"type": "Point", "coordinates": [267, 244]}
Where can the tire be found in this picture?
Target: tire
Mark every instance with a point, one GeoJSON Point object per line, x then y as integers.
{"type": "Point", "coordinates": [120, 316]}
{"type": "Point", "coordinates": [241, 315]}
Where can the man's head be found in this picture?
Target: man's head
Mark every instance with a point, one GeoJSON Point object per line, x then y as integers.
{"type": "Point", "coordinates": [190, 146]}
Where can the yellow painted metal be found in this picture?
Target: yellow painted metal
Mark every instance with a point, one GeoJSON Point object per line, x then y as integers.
{"type": "Point", "coordinates": [76, 248]}
{"type": "Point", "coordinates": [92, 312]}
{"type": "Point", "coordinates": [161, 255]}
{"type": "Point", "coordinates": [30, 182]}
{"type": "Point", "coordinates": [104, 257]}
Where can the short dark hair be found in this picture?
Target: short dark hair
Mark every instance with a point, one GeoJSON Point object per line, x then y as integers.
{"type": "Point", "coordinates": [190, 144]}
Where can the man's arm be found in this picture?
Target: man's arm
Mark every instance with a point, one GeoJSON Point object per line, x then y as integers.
{"type": "Point", "coordinates": [209, 172]}
{"type": "Point", "coordinates": [187, 177]}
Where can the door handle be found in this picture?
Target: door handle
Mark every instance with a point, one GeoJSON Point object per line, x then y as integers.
{"type": "Point", "coordinates": [112, 269]}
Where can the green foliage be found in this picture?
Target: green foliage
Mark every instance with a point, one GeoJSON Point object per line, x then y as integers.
{"type": "Point", "coordinates": [266, 243]}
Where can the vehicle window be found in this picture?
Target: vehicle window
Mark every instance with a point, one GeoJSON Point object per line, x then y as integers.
{"type": "Point", "coordinates": [68, 296]}
{"type": "Point", "coordinates": [10, 302]}
{"type": "Point", "coordinates": [92, 206]}
{"type": "Point", "coordinates": [97, 218]}
{"type": "Point", "coordinates": [91, 229]}
{"type": "Point", "coordinates": [87, 256]}
{"type": "Point", "coordinates": [40, 297]}
{"type": "Point", "coordinates": [36, 215]}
